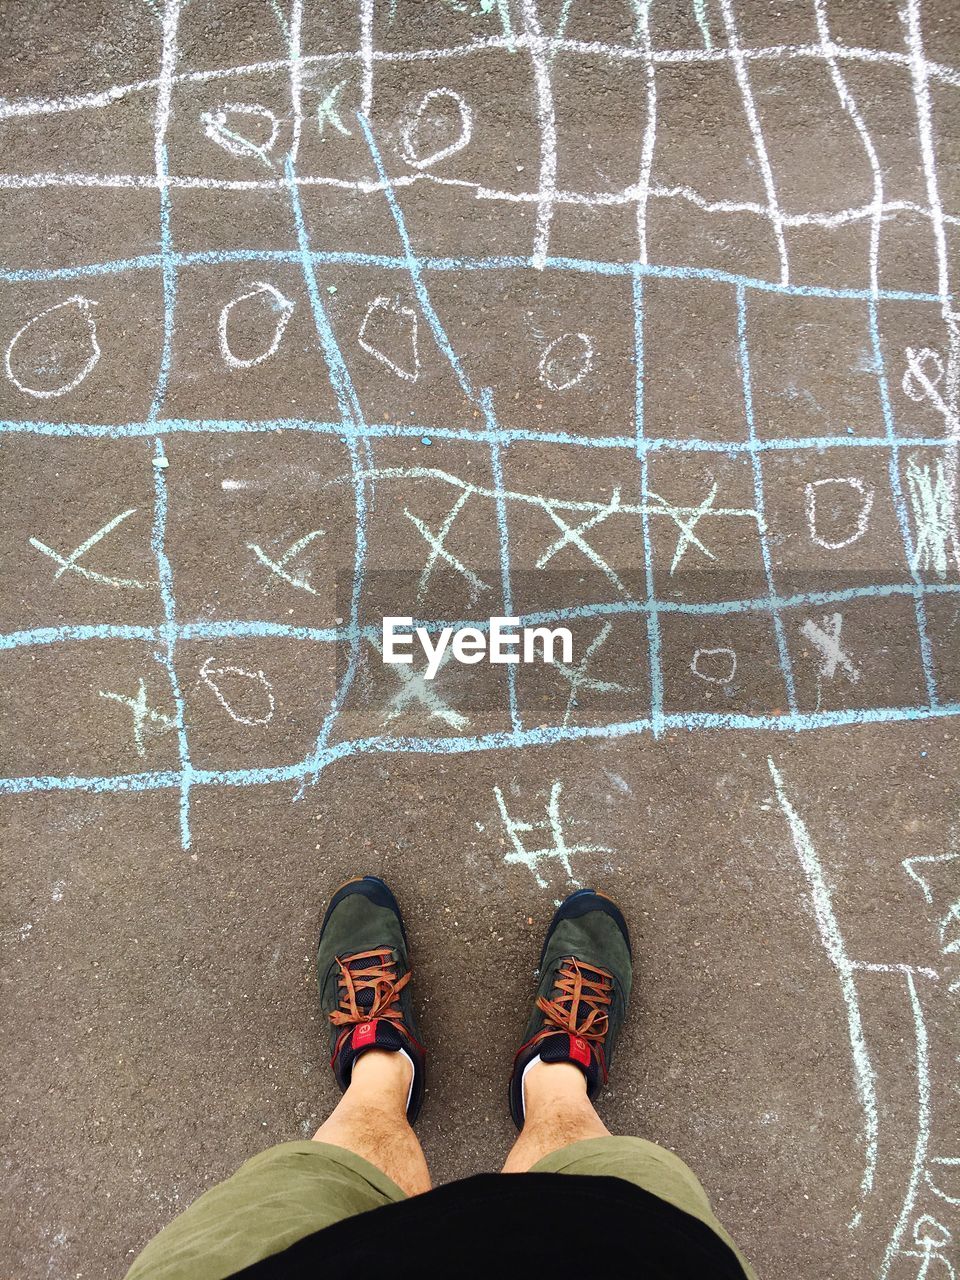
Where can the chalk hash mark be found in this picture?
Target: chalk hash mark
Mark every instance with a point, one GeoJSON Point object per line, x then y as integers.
{"type": "Point", "coordinates": [556, 849]}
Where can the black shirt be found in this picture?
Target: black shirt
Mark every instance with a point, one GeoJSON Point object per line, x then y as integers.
{"type": "Point", "coordinates": [536, 1225]}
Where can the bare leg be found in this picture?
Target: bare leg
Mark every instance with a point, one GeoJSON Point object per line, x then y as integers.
{"type": "Point", "coordinates": [371, 1120]}
{"type": "Point", "coordinates": [557, 1112]}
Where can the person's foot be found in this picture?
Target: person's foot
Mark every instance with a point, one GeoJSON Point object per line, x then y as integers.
{"type": "Point", "coordinates": [585, 975]}
{"type": "Point", "coordinates": [364, 975]}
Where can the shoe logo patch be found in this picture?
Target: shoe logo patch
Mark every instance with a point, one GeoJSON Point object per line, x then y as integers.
{"type": "Point", "coordinates": [579, 1051]}
{"type": "Point", "coordinates": [364, 1034]}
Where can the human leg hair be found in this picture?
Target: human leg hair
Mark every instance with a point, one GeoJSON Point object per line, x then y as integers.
{"type": "Point", "coordinates": [371, 1120]}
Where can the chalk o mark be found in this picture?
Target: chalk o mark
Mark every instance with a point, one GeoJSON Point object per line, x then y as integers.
{"type": "Point", "coordinates": [863, 515]}
{"type": "Point", "coordinates": [383, 308]}
{"type": "Point", "coordinates": [83, 306]}
{"type": "Point", "coordinates": [410, 132]}
{"type": "Point", "coordinates": [713, 656]}
{"type": "Point", "coordinates": [217, 130]}
{"type": "Point", "coordinates": [923, 372]}
{"type": "Point", "coordinates": [566, 361]}
{"type": "Point", "coordinates": [207, 674]}
{"type": "Point", "coordinates": [281, 305]}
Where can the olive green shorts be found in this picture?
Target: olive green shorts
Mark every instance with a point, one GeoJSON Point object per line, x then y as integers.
{"type": "Point", "coordinates": [295, 1189]}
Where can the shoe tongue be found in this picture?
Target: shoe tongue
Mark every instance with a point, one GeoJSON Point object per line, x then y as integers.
{"type": "Point", "coordinates": [388, 1037]}
{"type": "Point", "coordinates": [366, 994]}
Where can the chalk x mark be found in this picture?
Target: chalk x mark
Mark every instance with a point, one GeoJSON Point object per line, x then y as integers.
{"type": "Point", "coordinates": [70, 563]}
{"type": "Point", "coordinates": [415, 687]}
{"type": "Point", "coordinates": [144, 716]}
{"type": "Point", "coordinates": [279, 567]}
{"type": "Point", "coordinates": [824, 636]}
{"type": "Point", "coordinates": [579, 678]}
{"type": "Point", "coordinates": [439, 550]}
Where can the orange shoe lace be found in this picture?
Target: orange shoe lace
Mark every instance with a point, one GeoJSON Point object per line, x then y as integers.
{"type": "Point", "coordinates": [580, 1007]}
{"type": "Point", "coordinates": [380, 979]}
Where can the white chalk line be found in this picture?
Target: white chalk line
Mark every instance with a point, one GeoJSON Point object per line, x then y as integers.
{"type": "Point", "coordinates": [294, 36]}
{"type": "Point", "coordinates": [923, 1129]}
{"type": "Point", "coordinates": [539, 49]}
{"type": "Point", "coordinates": [643, 188]}
{"type": "Point", "coordinates": [835, 948]}
{"type": "Point", "coordinates": [877, 208]}
{"type": "Point", "coordinates": [753, 123]}
{"type": "Point", "coordinates": [633, 194]}
{"type": "Point", "coordinates": [366, 54]}
{"type": "Point", "coordinates": [836, 951]}
{"type": "Point", "coordinates": [615, 53]}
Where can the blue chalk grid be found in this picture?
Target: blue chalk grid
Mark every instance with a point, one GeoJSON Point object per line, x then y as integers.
{"type": "Point", "coordinates": [918, 465]}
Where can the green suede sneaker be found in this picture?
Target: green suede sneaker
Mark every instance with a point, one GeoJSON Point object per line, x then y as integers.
{"type": "Point", "coordinates": [586, 971]}
{"type": "Point", "coordinates": [364, 975]}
